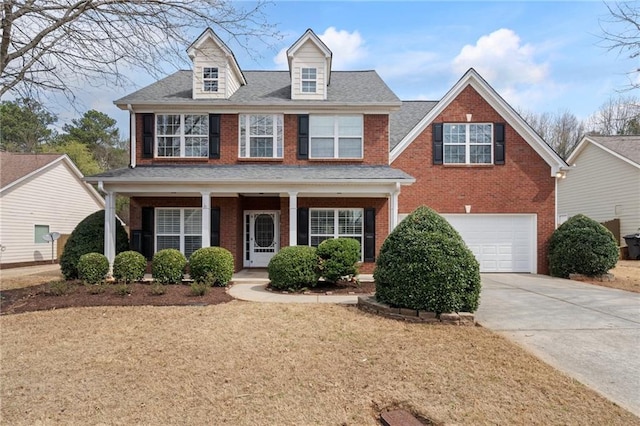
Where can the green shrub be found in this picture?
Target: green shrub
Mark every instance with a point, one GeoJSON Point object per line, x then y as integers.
{"type": "Point", "coordinates": [199, 288]}
{"type": "Point", "coordinates": [338, 258]}
{"type": "Point", "coordinates": [212, 266]}
{"type": "Point", "coordinates": [93, 267]}
{"type": "Point", "coordinates": [122, 290]}
{"type": "Point", "coordinates": [582, 246]}
{"type": "Point", "coordinates": [158, 289]}
{"type": "Point", "coordinates": [88, 237]}
{"type": "Point", "coordinates": [168, 266]}
{"type": "Point", "coordinates": [294, 268]}
{"type": "Point", "coordinates": [425, 265]}
{"type": "Point", "coordinates": [96, 288]}
{"type": "Point", "coordinates": [59, 288]}
{"type": "Point", "coordinates": [129, 266]}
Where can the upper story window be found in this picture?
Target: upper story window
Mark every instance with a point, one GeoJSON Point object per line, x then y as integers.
{"type": "Point", "coordinates": [261, 135]}
{"type": "Point", "coordinates": [210, 79]}
{"type": "Point", "coordinates": [466, 143]}
{"type": "Point", "coordinates": [309, 80]}
{"type": "Point", "coordinates": [338, 136]}
{"type": "Point", "coordinates": [182, 135]}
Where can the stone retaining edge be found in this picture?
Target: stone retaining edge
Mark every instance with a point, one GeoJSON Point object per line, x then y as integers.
{"type": "Point", "coordinates": [371, 305]}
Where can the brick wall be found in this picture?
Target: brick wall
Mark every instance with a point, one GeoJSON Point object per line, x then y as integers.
{"type": "Point", "coordinates": [376, 144]}
{"type": "Point", "coordinates": [231, 214]}
{"type": "Point", "coordinates": [523, 185]}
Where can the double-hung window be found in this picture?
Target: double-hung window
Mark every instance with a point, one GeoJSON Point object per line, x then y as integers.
{"type": "Point", "coordinates": [210, 79]}
{"type": "Point", "coordinates": [261, 135]}
{"type": "Point", "coordinates": [179, 229]}
{"type": "Point", "coordinates": [182, 135]}
{"type": "Point", "coordinates": [335, 136]}
{"type": "Point", "coordinates": [466, 143]}
{"type": "Point", "coordinates": [309, 80]}
{"type": "Point", "coordinates": [336, 223]}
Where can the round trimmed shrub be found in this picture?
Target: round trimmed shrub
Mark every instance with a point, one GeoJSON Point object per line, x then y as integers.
{"type": "Point", "coordinates": [338, 258]}
{"type": "Point", "coordinates": [425, 265]}
{"type": "Point", "coordinates": [294, 268]}
{"type": "Point", "coordinates": [582, 246]}
{"type": "Point", "coordinates": [93, 267]}
{"type": "Point", "coordinates": [129, 266]}
{"type": "Point", "coordinates": [167, 266]}
{"type": "Point", "coordinates": [211, 265]}
{"type": "Point", "coordinates": [88, 237]}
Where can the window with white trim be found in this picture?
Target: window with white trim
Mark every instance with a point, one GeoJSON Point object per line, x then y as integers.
{"type": "Point", "coordinates": [467, 143]}
{"type": "Point", "coordinates": [179, 229]}
{"type": "Point", "coordinates": [209, 79]}
{"type": "Point", "coordinates": [309, 80]}
{"type": "Point", "coordinates": [335, 136]}
{"type": "Point", "coordinates": [182, 135]}
{"type": "Point", "coordinates": [261, 135]}
{"type": "Point", "coordinates": [336, 223]}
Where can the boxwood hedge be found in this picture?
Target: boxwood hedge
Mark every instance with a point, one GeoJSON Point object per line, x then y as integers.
{"type": "Point", "coordinates": [167, 266]}
{"type": "Point", "coordinates": [294, 268]}
{"type": "Point", "coordinates": [93, 267]}
{"type": "Point", "coordinates": [211, 265]}
{"type": "Point", "coordinates": [338, 258]}
{"type": "Point", "coordinates": [424, 265]}
{"type": "Point", "coordinates": [582, 246]}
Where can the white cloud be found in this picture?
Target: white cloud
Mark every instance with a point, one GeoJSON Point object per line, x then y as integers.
{"type": "Point", "coordinates": [510, 67]}
{"type": "Point", "coordinates": [501, 59]}
{"type": "Point", "coordinates": [347, 47]}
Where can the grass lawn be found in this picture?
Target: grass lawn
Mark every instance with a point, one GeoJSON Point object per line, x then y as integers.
{"type": "Point", "coordinates": [245, 363]}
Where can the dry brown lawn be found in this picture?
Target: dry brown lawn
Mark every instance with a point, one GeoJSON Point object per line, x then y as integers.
{"type": "Point", "coordinates": [627, 276]}
{"type": "Point", "coordinates": [10, 279]}
{"type": "Point", "coordinates": [270, 364]}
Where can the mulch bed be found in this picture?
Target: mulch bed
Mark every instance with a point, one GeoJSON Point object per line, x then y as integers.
{"type": "Point", "coordinates": [365, 287]}
{"type": "Point", "coordinates": [41, 297]}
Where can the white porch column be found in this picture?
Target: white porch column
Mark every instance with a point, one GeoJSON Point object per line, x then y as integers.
{"type": "Point", "coordinates": [393, 208]}
{"type": "Point", "coordinates": [206, 219]}
{"type": "Point", "coordinates": [110, 229]}
{"type": "Point", "coordinates": [293, 218]}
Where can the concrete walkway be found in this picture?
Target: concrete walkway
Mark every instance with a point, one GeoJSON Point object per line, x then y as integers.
{"type": "Point", "coordinates": [250, 285]}
{"type": "Point", "coordinates": [591, 333]}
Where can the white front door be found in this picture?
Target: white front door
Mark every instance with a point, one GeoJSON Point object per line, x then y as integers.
{"type": "Point", "coordinates": [262, 236]}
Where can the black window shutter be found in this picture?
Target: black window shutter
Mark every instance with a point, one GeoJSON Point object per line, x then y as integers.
{"type": "Point", "coordinates": [147, 135]}
{"type": "Point", "coordinates": [369, 234]}
{"type": "Point", "coordinates": [135, 243]}
{"type": "Point", "coordinates": [437, 143]}
{"type": "Point", "coordinates": [498, 144]}
{"type": "Point", "coordinates": [214, 135]}
{"type": "Point", "coordinates": [303, 137]}
{"type": "Point", "coordinates": [215, 226]}
{"type": "Point", "coordinates": [303, 227]}
{"type": "Point", "coordinates": [148, 216]}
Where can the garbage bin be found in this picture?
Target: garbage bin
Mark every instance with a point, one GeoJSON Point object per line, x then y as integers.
{"type": "Point", "coordinates": [633, 242]}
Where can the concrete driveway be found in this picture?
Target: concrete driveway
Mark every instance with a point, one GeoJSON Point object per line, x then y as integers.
{"type": "Point", "coordinates": [591, 333]}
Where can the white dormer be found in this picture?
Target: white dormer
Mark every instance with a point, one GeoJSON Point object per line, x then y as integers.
{"type": "Point", "coordinates": [310, 67]}
{"type": "Point", "coordinates": [216, 74]}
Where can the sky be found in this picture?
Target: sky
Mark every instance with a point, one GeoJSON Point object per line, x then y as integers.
{"type": "Point", "coordinates": [541, 56]}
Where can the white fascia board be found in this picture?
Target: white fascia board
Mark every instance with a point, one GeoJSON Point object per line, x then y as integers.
{"type": "Point", "coordinates": [285, 107]}
{"type": "Point", "coordinates": [473, 79]}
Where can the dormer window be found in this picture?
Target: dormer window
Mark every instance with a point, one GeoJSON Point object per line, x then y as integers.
{"type": "Point", "coordinates": [210, 79]}
{"type": "Point", "coordinates": [309, 80]}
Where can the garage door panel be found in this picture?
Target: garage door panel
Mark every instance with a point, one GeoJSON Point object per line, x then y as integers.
{"type": "Point", "coordinates": [500, 242]}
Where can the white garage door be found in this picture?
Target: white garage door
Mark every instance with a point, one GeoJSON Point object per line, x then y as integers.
{"type": "Point", "coordinates": [500, 242]}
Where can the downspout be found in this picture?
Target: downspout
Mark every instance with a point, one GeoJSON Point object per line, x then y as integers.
{"type": "Point", "coordinates": [132, 137]}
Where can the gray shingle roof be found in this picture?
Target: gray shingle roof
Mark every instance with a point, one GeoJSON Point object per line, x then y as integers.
{"type": "Point", "coordinates": [254, 173]}
{"type": "Point", "coordinates": [405, 119]}
{"type": "Point", "coordinates": [627, 146]}
{"type": "Point", "coordinates": [268, 88]}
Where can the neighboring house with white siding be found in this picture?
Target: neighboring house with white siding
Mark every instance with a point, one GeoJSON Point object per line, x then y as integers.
{"type": "Point", "coordinates": [39, 194]}
{"type": "Point", "coordinates": [604, 183]}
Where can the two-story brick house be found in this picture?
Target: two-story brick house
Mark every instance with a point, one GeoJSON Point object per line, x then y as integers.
{"type": "Point", "coordinates": [257, 160]}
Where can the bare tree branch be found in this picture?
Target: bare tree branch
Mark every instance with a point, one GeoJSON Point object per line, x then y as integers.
{"type": "Point", "coordinates": [57, 45]}
{"type": "Point", "coordinates": [621, 32]}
